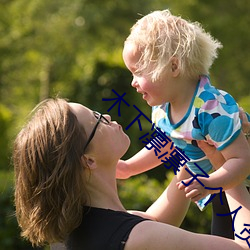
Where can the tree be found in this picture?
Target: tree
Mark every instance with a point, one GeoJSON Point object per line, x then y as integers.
{"type": "Point", "coordinates": [72, 48]}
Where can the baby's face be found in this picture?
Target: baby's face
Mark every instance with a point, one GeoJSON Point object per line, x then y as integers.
{"type": "Point", "coordinates": [153, 92]}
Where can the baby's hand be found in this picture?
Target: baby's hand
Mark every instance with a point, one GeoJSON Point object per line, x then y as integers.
{"type": "Point", "coordinates": [195, 191]}
{"type": "Point", "coordinates": [122, 170]}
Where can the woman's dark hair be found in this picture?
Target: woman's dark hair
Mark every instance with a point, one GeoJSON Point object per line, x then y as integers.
{"type": "Point", "coordinates": [49, 180]}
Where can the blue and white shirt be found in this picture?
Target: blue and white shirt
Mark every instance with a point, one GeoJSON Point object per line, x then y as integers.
{"type": "Point", "coordinates": [213, 115]}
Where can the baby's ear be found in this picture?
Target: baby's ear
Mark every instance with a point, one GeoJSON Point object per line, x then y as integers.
{"type": "Point", "coordinates": [175, 66]}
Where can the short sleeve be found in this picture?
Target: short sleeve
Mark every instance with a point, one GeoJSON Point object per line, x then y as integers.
{"type": "Point", "coordinates": [218, 117]}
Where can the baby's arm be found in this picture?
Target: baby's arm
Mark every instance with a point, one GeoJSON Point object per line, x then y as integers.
{"type": "Point", "coordinates": [237, 160]}
{"type": "Point", "coordinates": [236, 168]}
{"type": "Point", "coordinates": [233, 172]}
{"type": "Point", "coordinates": [142, 161]}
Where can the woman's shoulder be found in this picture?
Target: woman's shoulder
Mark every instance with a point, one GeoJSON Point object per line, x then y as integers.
{"type": "Point", "coordinates": [102, 227]}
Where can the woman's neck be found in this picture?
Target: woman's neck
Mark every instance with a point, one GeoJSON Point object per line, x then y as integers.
{"type": "Point", "coordinates": [102, 189]}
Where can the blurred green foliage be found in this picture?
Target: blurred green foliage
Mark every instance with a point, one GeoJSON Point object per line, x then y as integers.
{"type": "Point", "coordinates": [72, 48]}
{"type": "Point", "coordinates": [139, 192]}
{"type": "Point", "coordinates": [9, 231]}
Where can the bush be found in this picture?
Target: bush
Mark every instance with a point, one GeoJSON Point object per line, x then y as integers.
{"type": "Point", "coordinates": [139, 192]}
{"type": "Point", "coordinates": [9, 231]}
{"type": "Point", "coordinates": [5, 124]}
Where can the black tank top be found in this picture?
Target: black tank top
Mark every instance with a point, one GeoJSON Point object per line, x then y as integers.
{"type": "Point", "coordinates": [102, 229]}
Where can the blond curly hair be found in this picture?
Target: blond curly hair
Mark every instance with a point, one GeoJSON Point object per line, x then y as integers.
{"type": "Point", "coordinates": [160, 36]}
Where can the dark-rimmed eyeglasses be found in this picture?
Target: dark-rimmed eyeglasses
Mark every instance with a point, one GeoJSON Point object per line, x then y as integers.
{"type": "Point", "coordinates": [100, 118]}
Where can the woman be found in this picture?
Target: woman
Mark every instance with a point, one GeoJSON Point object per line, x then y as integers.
{"type": "Point", "coordinates": [65, 188]}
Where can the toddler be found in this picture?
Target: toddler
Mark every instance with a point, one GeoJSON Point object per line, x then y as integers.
{"type": "Point", "coordinates": [170, 59]}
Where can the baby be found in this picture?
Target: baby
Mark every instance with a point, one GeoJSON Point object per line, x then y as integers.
{"type": "Point", "coordinates": [170, 59]}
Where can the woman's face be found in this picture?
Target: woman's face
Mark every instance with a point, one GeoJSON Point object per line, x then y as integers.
{"type": "Point", "coordinates": [109, 140]}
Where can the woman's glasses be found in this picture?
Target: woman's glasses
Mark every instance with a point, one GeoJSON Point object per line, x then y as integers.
{"type": "Point", "coordinates": [100, 118]}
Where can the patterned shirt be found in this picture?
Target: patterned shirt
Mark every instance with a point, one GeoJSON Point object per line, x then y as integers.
{"type": "Point", "coordinates": [213, 115]}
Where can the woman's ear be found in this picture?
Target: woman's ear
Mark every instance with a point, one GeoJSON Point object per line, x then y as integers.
{"type": "Point", "coordinates": [175, 66]}
{"type": "Point", "coordinates": [89, 161]}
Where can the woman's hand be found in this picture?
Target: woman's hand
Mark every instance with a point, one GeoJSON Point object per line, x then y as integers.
{"type": "Point", "coordinates": [245, 124]}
